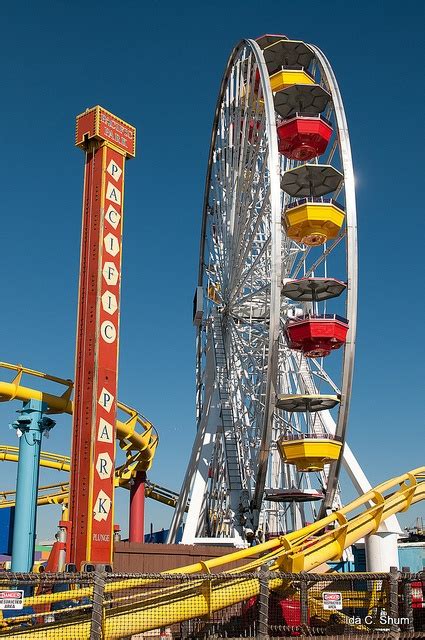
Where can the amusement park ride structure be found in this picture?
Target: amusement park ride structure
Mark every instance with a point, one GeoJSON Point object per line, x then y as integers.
{"type": "Point", "coordinates": [278, 254]}
{"type": "Point", "coordinates": [107, 142]}
{"type": "Point", "coordinates": [87, 537]}
{"type": "Point", "coordinates": [275, 312]}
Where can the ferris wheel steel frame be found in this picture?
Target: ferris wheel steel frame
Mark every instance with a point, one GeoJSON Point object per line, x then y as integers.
{"type": "Point", "coordinates": [352, 269]}
{"type": "Point", "coordinates": [214, 406]}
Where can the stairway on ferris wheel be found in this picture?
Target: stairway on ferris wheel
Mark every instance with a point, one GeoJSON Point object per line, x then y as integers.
{"type": "Point", "coordinates": [226, 412]}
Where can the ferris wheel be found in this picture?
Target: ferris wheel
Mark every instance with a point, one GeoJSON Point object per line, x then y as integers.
{"type": "Point", "coordinates": [275, 305]}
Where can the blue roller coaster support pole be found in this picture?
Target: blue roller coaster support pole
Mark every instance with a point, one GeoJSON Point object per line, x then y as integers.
{"type": "Point", "coordinates": [30, 427]}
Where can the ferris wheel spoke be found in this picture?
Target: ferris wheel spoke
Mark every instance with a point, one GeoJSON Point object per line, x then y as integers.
{"type": "Point", "coordinates": [234, 177]}
{"type": "Point", "coordinates": [254, 247]}
{"type": "Point", "coordinates": [242, 157]}
{"type": "Point", "coordinates": [242, 350]}
{"type": "Point", "coordinates": [216, 258]}
{"type": "Point", "coordinates": [302, 257]}
{"type": "Point", "coordinates": [251, 267]}
{"type": "Point", "coordinates": [251, 215]}
{"type": "Point", "coordinates": [251, 295]}
{"type": "Point", "coordinates": [321, 373]}
{"type": "Point", "coordinates": [247, 213]}
{"type": "Point", "coordinates": [244, 360]}
{"type": "Point", "coordinates": [325, 254]}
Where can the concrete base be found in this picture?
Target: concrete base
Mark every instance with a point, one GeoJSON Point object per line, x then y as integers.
{"type": "Point", "coordinates": [381, 551]}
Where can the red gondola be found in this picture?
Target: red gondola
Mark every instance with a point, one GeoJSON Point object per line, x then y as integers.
{"type": "Point", "coordinates": [317, 336]}
{"type": "Point", "coordinates": [304, 138]}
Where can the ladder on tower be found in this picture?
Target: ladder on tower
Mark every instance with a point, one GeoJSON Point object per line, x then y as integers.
{"type": "Point", "coordinates": [233, 462]}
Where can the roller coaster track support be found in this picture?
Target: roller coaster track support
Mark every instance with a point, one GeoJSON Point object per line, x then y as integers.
{"type": "Point", "coordinates": [29, 426]}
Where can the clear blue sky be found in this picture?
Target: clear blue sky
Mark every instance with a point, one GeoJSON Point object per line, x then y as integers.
{"type": "Point", "coordinates": [158, 65]}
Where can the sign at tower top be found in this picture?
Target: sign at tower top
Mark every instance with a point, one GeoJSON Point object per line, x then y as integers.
{"type": "Point", "coordinates": [99, 124]}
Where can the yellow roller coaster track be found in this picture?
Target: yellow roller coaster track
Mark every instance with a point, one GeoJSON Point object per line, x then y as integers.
{"type": "Point", "coordinates": [301, 550]}
{"type": "Point", "coordinates": [137, 436]}
{"type": "Point", "coordinates": [58, 493]}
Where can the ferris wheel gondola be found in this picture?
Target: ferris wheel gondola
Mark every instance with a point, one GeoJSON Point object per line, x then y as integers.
{"type": "Point", "coordinates": [275, 305]}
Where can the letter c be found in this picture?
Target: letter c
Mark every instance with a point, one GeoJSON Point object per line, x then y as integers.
{"type": "Point", "coordinates": [112, 216]}
{"type": "Point", "coordinates": [108, 331]}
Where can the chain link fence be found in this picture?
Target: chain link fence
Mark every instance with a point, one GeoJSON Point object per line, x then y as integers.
{"type": "Point", "coordinates": [49, 601]}
{"type": "Point", "coordinates": [261, 605]}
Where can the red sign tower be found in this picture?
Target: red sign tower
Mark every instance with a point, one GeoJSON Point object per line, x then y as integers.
{"type": "Point", "coordinates": [107, 141]}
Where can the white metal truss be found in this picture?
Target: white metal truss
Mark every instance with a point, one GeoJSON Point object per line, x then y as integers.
{"type": "Point", "coordinates": [243, 359]}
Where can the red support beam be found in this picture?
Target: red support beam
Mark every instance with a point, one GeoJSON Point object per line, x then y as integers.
{"type": "Point", "coordinates": [137, 508]}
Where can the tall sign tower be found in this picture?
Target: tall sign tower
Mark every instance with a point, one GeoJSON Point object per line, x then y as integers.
{"type": "Point", "coordinates": [107, 141]}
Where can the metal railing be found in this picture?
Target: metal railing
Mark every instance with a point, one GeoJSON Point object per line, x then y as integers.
{"type": "Point", "coordinates": [298, 115]}
{"type": "Point", "coordinates": [314, 200]}
{"type": "Point", "coordinates": [318, 317]}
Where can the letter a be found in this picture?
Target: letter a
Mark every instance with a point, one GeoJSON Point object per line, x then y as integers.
{"type": "Point", "coordinates": [104, 433]}
{"type": "Point", "coordinates": [112, 193]}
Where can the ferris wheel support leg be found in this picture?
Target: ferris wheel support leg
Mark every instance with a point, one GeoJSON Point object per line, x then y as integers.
{"type": "Point", "coordinates": [137, 508]}
{"type": "Point", "coordinates": [381, 551]}
{"type": "Point", "coordinates": [202, 447]}
{"type": "Point", "coordinates": [200, 470]}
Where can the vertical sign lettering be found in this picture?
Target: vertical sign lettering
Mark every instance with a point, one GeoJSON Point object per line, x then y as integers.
{"type": "Point", "coordinates": [108, 326]}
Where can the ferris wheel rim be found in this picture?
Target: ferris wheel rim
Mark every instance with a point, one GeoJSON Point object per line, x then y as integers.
{"type": "Point", "coordinates": [210, 161]}
{"type": "Point", "coordinates": [351, 265]}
